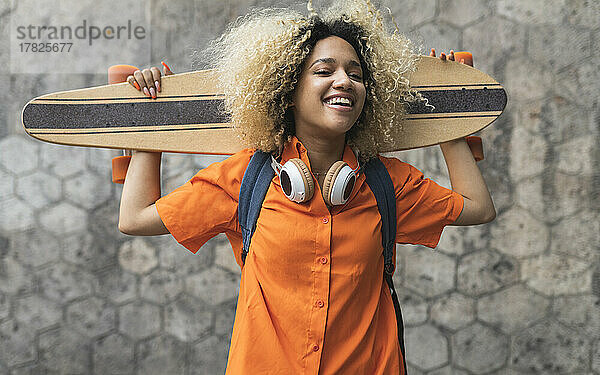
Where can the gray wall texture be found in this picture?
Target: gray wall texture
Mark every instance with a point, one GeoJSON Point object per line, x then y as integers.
{"type": "Point", "coordinates": [520, 295]}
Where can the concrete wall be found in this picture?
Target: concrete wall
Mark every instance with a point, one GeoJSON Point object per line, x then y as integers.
{"type": "Point", "coordinates": [520, 295]}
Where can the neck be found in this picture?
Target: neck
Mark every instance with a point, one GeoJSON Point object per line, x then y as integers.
{"type": "Point", "coordinates": [323, 152]}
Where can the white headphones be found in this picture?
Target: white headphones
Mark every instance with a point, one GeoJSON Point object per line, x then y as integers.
{"type": "Point", "coordinates": [298, 185]}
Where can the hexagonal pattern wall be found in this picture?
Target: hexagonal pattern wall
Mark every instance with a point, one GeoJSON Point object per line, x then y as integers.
{"type": "Point", "coordinates": [520, 295]}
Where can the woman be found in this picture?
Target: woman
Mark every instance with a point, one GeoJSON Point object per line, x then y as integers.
{"type": "Point", "coordinates": [317, 89]}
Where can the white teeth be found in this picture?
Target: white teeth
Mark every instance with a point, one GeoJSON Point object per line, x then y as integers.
{"type": "Point", "coordinates": [338, 100]}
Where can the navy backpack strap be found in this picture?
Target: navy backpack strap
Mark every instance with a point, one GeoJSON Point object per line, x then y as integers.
{"type": "Point", "coordinates": [253, 190]}
{"type": "Point", "coordinates": [381, 185]}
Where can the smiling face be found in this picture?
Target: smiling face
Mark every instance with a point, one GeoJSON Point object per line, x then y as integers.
{"type": "Point", "coordinates": [330, 93]}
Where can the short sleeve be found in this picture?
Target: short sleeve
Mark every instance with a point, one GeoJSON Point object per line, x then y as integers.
{"type": "Point", "coordinates": [423, 207]}
{"type": "Point", "coordinates": [207, 204]}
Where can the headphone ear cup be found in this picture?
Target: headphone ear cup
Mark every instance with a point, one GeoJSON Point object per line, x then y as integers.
{"type": "Point", "coordinates": [309, 184]}
{"type": "Point", "coordinates": [332, 174]}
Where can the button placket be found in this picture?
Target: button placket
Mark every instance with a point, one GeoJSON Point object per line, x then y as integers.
{"type": "Point", "coordinates": [321, 290]}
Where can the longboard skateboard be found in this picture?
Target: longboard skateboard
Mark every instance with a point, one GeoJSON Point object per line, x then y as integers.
{"type": "Point", "coordinates": [187, 116]}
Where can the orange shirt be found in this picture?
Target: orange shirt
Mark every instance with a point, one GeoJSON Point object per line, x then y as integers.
{"type": "Point", "coordinates": [312, 298]}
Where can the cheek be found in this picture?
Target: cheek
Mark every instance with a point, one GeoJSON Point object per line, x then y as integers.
{"type": "Point", "coordinates": [363, 95]}
{"type": "Point", "coordinates": [309, 94]}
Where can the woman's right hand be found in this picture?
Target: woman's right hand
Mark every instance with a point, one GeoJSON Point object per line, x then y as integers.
{"type": "Point", "coordinates": [148, 80]}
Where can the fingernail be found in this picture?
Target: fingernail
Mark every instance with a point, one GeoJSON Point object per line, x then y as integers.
{"type": "Point", "coordinates": [136, 85]}
{"type": "Point", "coordinates": [157, 84]}
{"type": "Point", "coordinates": [146, 91]}
{"type": "Point", "coordinates": [153, 92]}
{"type": "Point", "coordinates": [166, 67]}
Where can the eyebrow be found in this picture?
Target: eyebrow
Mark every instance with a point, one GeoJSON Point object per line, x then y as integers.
{"type": "Point", "coordinates": [331, 60]}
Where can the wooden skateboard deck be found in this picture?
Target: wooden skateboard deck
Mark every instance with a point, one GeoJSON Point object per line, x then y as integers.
{"type": "Point", "coordinates": [187, 117]}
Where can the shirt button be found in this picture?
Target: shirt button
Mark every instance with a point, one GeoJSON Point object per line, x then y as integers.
{"type": "Point", "coordinates": [325, 220]}
{"type": "Point", "coordinates": [320, 303]}
{"type": "Point", "coordinates": [315, 348]}
{"type": "Point", "coordinates": [323, 260]}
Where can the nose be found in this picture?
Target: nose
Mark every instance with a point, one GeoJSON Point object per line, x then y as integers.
{"type": "Point", "coordinates": [342, 81]}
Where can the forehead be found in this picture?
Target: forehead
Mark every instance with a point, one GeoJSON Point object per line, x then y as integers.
{"type": "Point", "coordinates": [333, 47]}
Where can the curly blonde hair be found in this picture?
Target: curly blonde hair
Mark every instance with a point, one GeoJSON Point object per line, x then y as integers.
{"type": "Point", "coordinates": [259, 60]}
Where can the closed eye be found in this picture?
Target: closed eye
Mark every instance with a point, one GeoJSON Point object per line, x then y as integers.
{"type": "Point", "coordinates": [355, 76]}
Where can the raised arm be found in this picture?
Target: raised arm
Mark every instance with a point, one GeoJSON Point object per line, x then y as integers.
{"type": "Point", "coordinates": [137, 214]}
{"type": "Point", "coordinates": [141, 189]}
{"type": "Point", "coordinates": [466, 178]}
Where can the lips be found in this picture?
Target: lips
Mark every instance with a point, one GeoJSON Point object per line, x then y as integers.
{"type": "Point", "coordinates": [339, 107]}
{"type": "Point", "coordinates": [340, 102]}
{"type": "Point", "coordinates": [345, 98]}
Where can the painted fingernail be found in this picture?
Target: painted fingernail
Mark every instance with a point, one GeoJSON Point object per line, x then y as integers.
{"type": "Point", "coordinates": [168, 70]}
{"type": "Point", "coordinates": [157, 84]}
{"type": "Point", "coordinates": [153, 92]}
{"type": "Point", "coordinates": [136, 85]}
{"type": "Point", "coordinates": [146, 91]}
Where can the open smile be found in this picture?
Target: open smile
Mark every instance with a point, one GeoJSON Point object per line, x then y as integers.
{"type": "Point", "coordinates": [339, 103]}
{"type": "Point", "coordinates": [339, 107]}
